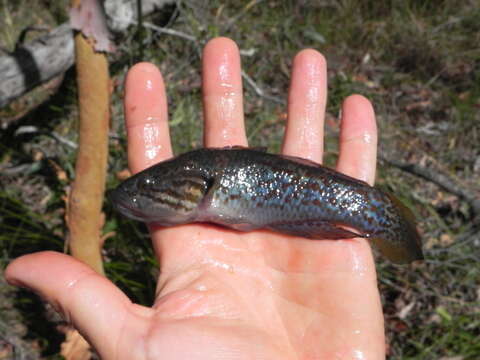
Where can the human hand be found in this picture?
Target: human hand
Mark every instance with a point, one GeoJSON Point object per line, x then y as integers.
{"type": "Point", "coordinates": [222, 294]}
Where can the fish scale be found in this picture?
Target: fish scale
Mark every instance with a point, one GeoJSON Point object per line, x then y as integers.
{"type": "Point", "coordinates": [247, 189]}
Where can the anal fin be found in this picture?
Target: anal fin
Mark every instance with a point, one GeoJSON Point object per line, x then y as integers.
{"type": "Point", "coordinates": [314, 229]}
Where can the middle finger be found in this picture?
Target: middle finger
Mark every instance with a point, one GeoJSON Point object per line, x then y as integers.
{"type": "Point", "coordinates": [222, 94]}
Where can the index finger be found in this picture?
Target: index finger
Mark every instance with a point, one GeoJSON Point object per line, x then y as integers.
{"type": "Point", "coordinates": [146, 117]}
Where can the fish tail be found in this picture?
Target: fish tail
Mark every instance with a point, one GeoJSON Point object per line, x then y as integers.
{"type": "Point", "coordinates": [401, 242]}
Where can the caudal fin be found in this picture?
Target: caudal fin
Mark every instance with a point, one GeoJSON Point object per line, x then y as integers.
{"type": "Point", "coordinates": [401, 243]}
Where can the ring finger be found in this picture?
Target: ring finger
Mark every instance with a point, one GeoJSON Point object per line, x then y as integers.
{"type": "Point", "coordinates": [306, 106]}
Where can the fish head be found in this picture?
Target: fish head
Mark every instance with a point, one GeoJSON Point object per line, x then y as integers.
{"type": "Point", "coordinates": [161, 197]}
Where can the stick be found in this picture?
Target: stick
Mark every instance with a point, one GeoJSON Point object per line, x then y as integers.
{"type": "Point", "coordinates": [442, 180]}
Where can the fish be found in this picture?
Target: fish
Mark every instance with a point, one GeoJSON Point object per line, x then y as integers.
{"type": "Point", "coordinates": [246, 189]}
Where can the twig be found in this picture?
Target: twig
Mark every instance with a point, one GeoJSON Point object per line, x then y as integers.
{"type": "Point", "coordinates": [468, 237]}
{"type": "Point", "coordinates": [451, 21]}
{"type": "Point", "coordinates": [53, 134]}
{"type": "Point", "coordinates": [242, 13]}
{"type": "Point", "coordinates": [62, 140]}
{"type": "Point", "coordinates": [24, 32]}
{"type": "Point", "coordinates": [259, 91]}
{"type": "Point", "coordinates": [248, 52]}
{"type": "Point", "coordinates": [24, 169]}
{"type": "Point", "coordinates": [170, 32]}
{"type": "Point", "coordinates": [442, 180]}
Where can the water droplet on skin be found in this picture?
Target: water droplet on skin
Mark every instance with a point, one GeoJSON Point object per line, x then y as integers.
{"type": "Point", "coordinates": [227, 107]}
{"type": "Point", "coordinates": [149, 84]}
{"type": "Point", "coordinates": [358, 264]}
{"type": "Point", "coordinates": [224, 71]}
{"type": "Point", "coordinates": [201, 287]}
{"type": "Point", "coordinates": [367, 137]}
{"type": "Point", "coordinates": [313, 72]}
{"type": "Point", "coordinates": [313, 94]}
{"type": "Point", "coordinates": [358, 355]}
{"type": "Point", "coordinates": [71, 283]}
{"type": "Point", "coordinates": [151, 135]}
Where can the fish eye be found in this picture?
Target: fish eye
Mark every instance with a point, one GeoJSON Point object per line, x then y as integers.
{"type": "Point", "coordinates": [144, 183]}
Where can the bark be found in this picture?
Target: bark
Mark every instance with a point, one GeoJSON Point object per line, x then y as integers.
{"type": "Point", "coordinates": [52, 54]}
{"type": "Point", "coordinates": [33, 64]}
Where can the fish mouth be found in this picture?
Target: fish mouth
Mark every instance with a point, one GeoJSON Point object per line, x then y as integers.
{"type": "Point", "coordinates": [124, 205]}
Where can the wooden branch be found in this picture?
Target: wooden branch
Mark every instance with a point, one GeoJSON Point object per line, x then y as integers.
{"type": "Point", "coordinates": [52, 54]}
{"type": "Point", "coordinates": [85, 221]}
{"type": "Point", "coordinates": [442, 180]}
{"type": "Point", "coordinates": [33, 64]}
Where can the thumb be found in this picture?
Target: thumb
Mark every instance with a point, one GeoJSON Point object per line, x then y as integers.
{"type": "Point", "coordinates": [94, 305]}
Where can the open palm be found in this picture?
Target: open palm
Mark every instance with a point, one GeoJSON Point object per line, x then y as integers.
{"type": "Point", "coordinates": [222, 294]}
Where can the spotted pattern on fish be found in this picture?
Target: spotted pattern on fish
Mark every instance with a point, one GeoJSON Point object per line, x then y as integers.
{"type": "Point", "coordinates": [247, 189]}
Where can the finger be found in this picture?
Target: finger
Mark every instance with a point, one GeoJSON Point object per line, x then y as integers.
{"type": "Point", "coordinates": [146, 118]}
{"type": "Point", "coordinates": [222, 94]}
{"type": "Point", "coordinates": [358, 139]}
{"type": "Point", "coordinates": [96, 307]}
{"type": "Point", "coordinates": [306, 106]}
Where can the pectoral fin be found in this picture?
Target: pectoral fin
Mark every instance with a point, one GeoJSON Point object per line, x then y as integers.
{"type": "Point", "coordinates": [314, 229]}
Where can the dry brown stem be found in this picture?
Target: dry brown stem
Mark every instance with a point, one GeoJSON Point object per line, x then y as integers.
{"type": "Point", "coordinates": [86, 198]}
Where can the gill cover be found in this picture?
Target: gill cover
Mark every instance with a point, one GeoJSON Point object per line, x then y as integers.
{"type": "Point", "coordinates": [164, 200]}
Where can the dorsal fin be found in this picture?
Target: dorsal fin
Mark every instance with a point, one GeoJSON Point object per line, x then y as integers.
{"type": "Point", "coordinates": [300, 160]}
{"type": "Point", "coordinates": [240, 147]}
{"type": "Point", "coordinates": [309, 162]}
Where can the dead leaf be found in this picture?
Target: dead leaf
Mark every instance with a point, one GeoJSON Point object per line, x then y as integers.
{"type": "Point", "coordinates": [282, 116]}
{"type": "Point", "coordinates": [38, 155]}
{"type": "Point", "coordinates": [59, 172]}
{"type": "Point", "coordinates": [6, 350]}
{"type": "Point", "coordinates": [106, 236]}
{"type": "Point", "coordinates": [399, 326]}
{"type": "Point", "coordinates": [123, 174]}
{"type": "Point", "coordinates": [75, 347]}
{"type": "Point", "coordinates": [89, 18]}
{"type": "Point", "coordinates": [430, 243]}
{"type": "Point", "coordinates": [403, 313]}
{"type": "Point", "coordinates": [361, 78]}
{"type": "Point", "coordinates": [446, 239]}
{"type": "Point", "coordinates": [418, 105]}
